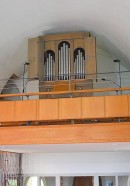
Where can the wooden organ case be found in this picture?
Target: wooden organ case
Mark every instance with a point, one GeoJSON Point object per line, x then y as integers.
{"type": "Point", "coordinates": [63, 62]}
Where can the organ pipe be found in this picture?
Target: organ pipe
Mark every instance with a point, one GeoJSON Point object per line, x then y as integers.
{"type": "Point", "coordinates": [49, 65]}
{"type": "Point", "coordinates": [79, 63]}
{"type": "Point", "coordinates": [64, 61]}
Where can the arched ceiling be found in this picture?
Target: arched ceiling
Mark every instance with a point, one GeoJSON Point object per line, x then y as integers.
{"type": "Point", "coordinates": [20, 20]}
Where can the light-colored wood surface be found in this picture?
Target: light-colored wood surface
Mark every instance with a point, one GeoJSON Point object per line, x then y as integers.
{"type": "Point", "coordinates": [64, 87]}
{"type": "Point", "coordinates": [70, 108]}
{"type": "Point", "coordinates": [79, 43]}
{"type": "Point", "coordinates": [129, 104]}
{"type": "Point", "coordinates": [50, 45]}
{"type": "Point", "coordinates": [66, 134]}
{"type": "Point", "coordinates": [48, 109]}
{"type": "Point", "coordinates": [33, 57]}
{"type": "Point", "coordinates": [7, 109]}
{"type": "Point", "coordinates": [74, 35]}
{"type": "Point", "coordinates": [26, 110]}
{"type": "Point", "coordinates": [90, 47]}
{"type": "Point", "coordinates": [65, 108]}
{"type": "Point", "coordinates": [116, 106]}
{"type": "Point", "coordinates": [93, 107]}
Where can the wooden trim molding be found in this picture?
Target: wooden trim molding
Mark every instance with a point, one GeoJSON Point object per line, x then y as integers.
{"type": "Point", "coordinates": [66, 134]}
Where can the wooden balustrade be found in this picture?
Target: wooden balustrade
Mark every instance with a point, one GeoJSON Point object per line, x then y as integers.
{"type": "Point", "coordinates": [65, 109]}
{"type": "Point", "coordinates": [65, 134]}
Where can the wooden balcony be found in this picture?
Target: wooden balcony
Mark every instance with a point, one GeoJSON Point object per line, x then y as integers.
{"type": "Point", "coordinates": [65, 109]}
{"type": "Point", "coordinates": [77, 120]}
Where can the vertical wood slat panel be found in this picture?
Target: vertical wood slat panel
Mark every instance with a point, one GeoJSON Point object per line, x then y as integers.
{"type": "Point", "coordinates": [70, 108]}
{"type": "Point", "coordinates": [26, 110]}
{"type": "Point", "coordinates": [48, 109]}
{"type": "Point", "coordinates": [93, 107]}
{"type": "Point", "coordinates": [116, 106]}
{"type": "Point", "coordinates": [33, 57]}
{"type": "Point", "coordinates": [7, 111]}
{"type": "Point", "coordinates": [90, 55]}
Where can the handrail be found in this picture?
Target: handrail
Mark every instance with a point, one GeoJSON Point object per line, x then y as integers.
{"type": "Point", "coordinates": [65, 92]}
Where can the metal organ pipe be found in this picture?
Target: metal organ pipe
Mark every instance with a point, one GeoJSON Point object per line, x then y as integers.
{"type": "Point", "coordinates": [83, 67]}
{"type": "Point", "coordinates": [61, 74]}
{"type": "Point", "coordinates": [59, 64]}
{"type": "Point", "coordinates": [51, 66]}
{"type": "Point", "coordinates": [66, 56]}
{"type": "Point", "coordinates": [64, 61]}
{"type": "Point", "coordinates": [79, 62]}
{"type": "Point", "coordinates": [77, 68]}
{"type": "Point", "coordinates": [47, 69]}
{"type": "Point", "coordinates": [81, 71]}
{"type": "Point", "coordinates": [69, 61]}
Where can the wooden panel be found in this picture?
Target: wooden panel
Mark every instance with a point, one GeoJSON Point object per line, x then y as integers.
{"type": "Point", "coordinates": [33, 57]}
{"type": "Point", "coordinates": [129, 104]}
{"type": "Point", "coordinates": [116, 106]}
{"type": "Point", "coordinates": [40, 59]}
{"type": "Point", "coordinates": [7, 111]}
{"type": "Point", "coordinates": [65, 134]}
{"type": "Point", "coordinates": [48, 109]}
{"type": "Point", "coordinates": [83, 181]}
{"type": "Point", "coordinates": [79, 43]}
{"type": "Point", "coordinates": [73, 35]}
{"type": "Point", "coordinates": [70, 108]}
{"type": "Point", "coordinates": [26, 110]}
{"type": "Point", "coordinates": [50, 45]}
{"type": "Point", "coordinates": [93, 107]}
{"type": "Point", "coordinates": [90, 55]}
{"type": "Point", "coordinates": [33, 69]}
{"type": "Point", "coordinates": [64, 87]}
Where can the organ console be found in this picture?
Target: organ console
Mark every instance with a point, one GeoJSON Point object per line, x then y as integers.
{"type": "Point", "coordinates": [63, 61]}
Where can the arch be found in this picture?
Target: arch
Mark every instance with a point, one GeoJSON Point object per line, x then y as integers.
{"type": "Point", "coordinates": [49, 62]}
{"type": "Point", "coordinates": [79, 63]}
{"type": "Point", "coordinates": [10, 88]}
{"type": "Point", "coordinates": [63, 60]}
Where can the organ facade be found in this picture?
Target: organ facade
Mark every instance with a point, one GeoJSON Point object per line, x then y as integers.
{"type": "Point", "coordinates": [63, 62]}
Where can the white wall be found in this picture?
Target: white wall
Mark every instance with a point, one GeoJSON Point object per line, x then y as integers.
{"type": "Point", "coordinates": [80, 163]}
{"type": "Point", "coordinates": [29, 86]}
{"type": "Point", "coordinates": [105, 64]}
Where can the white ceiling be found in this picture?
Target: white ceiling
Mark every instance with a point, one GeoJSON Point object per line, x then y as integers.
{"type": "Point", "coordinates": [22, 19]}
{"type": "Point", "coordinates": [61, 148]}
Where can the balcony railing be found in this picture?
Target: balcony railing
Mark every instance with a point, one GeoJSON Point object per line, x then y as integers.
{"type": "Point", "coordinates": [81, 109]}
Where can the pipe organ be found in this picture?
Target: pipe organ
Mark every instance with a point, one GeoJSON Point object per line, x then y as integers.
{"type": "Point", "coordinates": [79, 63]}
{"type": "Point", "coordinates": [49, 62]}
{"type": "Point", "coordinates": [63, 61]}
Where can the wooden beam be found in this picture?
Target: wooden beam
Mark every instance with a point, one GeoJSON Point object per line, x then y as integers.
{"type": "Point", "coordinates": [65, 92]}
{"type": "Point", "coordinates": [66, 134]}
